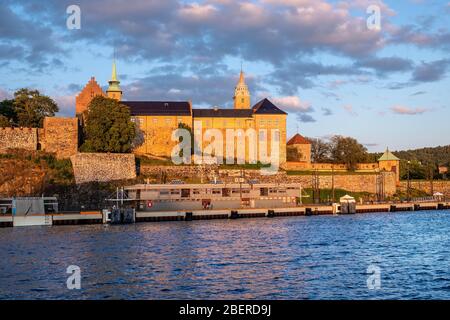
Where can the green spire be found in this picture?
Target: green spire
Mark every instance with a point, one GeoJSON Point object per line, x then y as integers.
{"type": "Point", "coordinates": [114, 71]}
{"type": "Point", "coordinates": [388, 156]}
{"type": "Point", "coordinates": [114, 83]}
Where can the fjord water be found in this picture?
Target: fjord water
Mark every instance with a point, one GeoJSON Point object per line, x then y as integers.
{"type": "Point", "coordinates": [323, 257]}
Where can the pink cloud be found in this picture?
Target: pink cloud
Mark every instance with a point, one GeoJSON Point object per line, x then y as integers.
{"type": "Point", "coordinates": [403, 110]}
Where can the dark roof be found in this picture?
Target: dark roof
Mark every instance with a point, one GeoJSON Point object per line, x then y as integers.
{"type": "Point", "coordinates": [222, 113]}
{"type": "Point", "coordinates": [267, 107]}
{"type": "Point", "coordinates": [298, 139]}
{"type": "Point", "coordinates": [157, 108]}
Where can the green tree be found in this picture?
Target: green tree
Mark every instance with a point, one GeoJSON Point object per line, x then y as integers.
{"type": "Point", "coordinates": [8, 111]}
{"type": "Point", "coordinates": [32, 107]}
{"type": "Point", "coordinates": [4, 121]}
{"type": "Point", "coordinates": [348, 151]}
{"type": "Point", "coordinates": [108, 127]}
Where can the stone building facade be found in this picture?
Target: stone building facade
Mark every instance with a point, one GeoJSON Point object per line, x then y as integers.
{"type": "Point", "coordinates": [58, 135]}
{"type": "Point", "coordinates": [158, 119]}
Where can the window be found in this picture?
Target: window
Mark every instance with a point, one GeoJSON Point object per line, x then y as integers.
{"type": "Point", "coordinates": [262, 123]}
{"type": "Point", "coordinates": [224, 123]}
{"type": "Point", "coordinates": [262, 135]}
{"type": "Point", "coordinates": [155, 120]}
{"type": "Point", "coordinates": [168, 121]}
{"type": "Point", "coordinates": [277, 136]}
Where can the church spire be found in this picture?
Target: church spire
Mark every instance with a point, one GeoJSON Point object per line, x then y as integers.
{"type": "Point", "coordinates": [241, 93]}
{"type": "Point", "coordinates": [114, 91]}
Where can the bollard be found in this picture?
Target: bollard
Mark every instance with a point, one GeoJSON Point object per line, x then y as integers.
{"type": "Point", "coordinates": [188, 216]}
{"type": "Point", "coordinates": [234, 215]}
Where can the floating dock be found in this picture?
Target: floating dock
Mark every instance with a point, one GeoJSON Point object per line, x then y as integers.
{"type": "Point", "coordinates": [98, 217]}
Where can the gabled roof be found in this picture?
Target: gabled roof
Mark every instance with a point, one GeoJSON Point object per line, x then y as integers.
{"type": "Point", "coordinates": [158, 108]}
{"type": "Point", "coordinates": [388, 156]}
{"type": "Point", "coordinates": [266, 107]}
{"type": "Point", "coordinates": [222, 113]}
{"type": "Point", "coordinates": [298, 139]}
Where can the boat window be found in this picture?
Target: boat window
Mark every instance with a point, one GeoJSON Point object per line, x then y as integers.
{"type": "Point", "coordinates": [264, 192]}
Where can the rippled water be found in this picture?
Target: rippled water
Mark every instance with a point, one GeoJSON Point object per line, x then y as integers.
{"type": "Point", "coordinates": [324, 257]}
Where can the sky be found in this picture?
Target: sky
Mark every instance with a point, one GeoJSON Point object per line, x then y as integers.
{"type": "Point", "coordinates": [319, 60]}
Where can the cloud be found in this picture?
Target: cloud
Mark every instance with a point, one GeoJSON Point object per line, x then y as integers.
{"type": "Point", "coordinates": [4, 94]}
{"type": "Point", "coordinates": [215, 89]}
{"type": "Point", "coordinates": [403, 110]}
{"type": "Point", "coordinates": [292, 104]}
{"type": "Point", "coordinates": [431, 71]}
{"type": "Point", "coordinates": [327, 112]}
{"type": "Point", "coordinates": [418, 93]}
{"type": "Point", "coordinates": [305, 118]}
{"type": "Point", "coordinates": [66, 105]}
{"type": "Point", "coordinates": [386, 65]}
{"type": "Point", "coordinates": [350, 110]}
{"type": "Point", "coordinates": [294, 74]}
{"type": "Point", "coordinates": [28, 40]}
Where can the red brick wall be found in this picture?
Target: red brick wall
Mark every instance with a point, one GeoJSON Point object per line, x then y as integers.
{"type": "Point", "coordinates": [86, 95]}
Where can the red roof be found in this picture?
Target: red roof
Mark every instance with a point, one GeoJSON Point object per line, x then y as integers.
{"type": "Point", "coordinates": [298, 139]}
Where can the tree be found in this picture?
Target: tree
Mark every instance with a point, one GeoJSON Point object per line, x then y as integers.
{"type": "Point", "coordinates": [293, 154]}
{"type": "Point", "coordinates": [4, 121]}
{"type": "Point", "coordinates": [348, 151]}
{"type": "Point", "coordinates": [8, 111]}
{"type": "Point", "coordinates": [320, 150]}
{"type": "Point", "coordinates": [31, 108]}
{"type": "Point", "coordinates": [108, 127]}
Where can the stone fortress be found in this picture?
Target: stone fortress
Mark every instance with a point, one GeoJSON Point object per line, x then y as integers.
{"type": "Point", "coordinates": [158, 119]}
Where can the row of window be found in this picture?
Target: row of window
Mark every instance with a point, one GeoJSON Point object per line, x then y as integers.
{"type": "Point", "coordinates": [207, 123]}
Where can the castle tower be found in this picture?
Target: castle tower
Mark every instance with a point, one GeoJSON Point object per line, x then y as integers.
{"type": "Point", "coordinates": [114, 91]}
{"type": "Point", "coordinates": [241, 94]}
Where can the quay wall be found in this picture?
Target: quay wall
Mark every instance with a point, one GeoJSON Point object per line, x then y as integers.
{"type": "Point", "coordinates": [362, 182]}
{"type": "Point", "coordinates": [442, 186]}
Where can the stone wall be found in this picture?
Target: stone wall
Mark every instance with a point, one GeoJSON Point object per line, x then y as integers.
{"type": "Point", "coordinates": [18, 138]}
{"type": "Point", "coordinates": [442, 186]}
{"type": "Point", "coordinates": [103, 167]}
{"type": "Point", "coordinates": [351, 182]}
{"type": "Point", "coordinates": [60, 136]}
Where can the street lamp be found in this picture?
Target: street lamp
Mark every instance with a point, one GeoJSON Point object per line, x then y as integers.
{"type": "Point", "coordinates": [408, 188]}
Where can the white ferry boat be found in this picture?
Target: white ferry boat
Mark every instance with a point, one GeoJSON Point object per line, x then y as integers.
{"type": "Point", "coordinates": [173, 197]}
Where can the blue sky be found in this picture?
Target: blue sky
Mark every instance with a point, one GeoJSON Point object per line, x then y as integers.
{"type": "Point", "coordinates": [316, 59]}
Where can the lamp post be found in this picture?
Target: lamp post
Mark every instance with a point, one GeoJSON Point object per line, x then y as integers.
{"type": "Point", "coordinates": [408, 187]}
{"type": "Point", "coordinates": [332, 182]}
